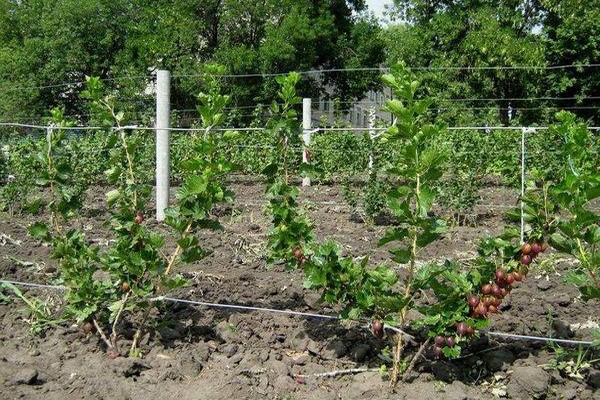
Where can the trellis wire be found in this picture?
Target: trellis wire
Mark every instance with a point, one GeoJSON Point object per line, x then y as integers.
{"type": "Point", "coordinates": [321, 71]}
{"type": "Point", "coordinates": [36, 119]}
{"type": "Point", "coordinates": [296, 313]}
{"type": "Point", "coordinates": [315, 130]}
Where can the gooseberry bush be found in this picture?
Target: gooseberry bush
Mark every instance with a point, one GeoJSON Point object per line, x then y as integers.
{"type": "Point", "coordinates": [386, 294]}
{"type": "Point", "coordinates": [450, 303]}
{"type": "Point", "coordinates": [559, 205]}
{"type": "Point", "coordinates": [290, 228]}
{"type": "Point", "coordinates": [105, 285]}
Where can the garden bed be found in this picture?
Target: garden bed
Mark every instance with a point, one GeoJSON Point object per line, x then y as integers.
{"type": "Point", "coordinates": [195, 351]}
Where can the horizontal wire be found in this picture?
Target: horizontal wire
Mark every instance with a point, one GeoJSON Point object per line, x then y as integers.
{"type": "Point", "coordinates": [318, 71]}
{"type": "Point", "coordinates": [34, 285]}
{"type": "Point", "coordinates": [537, 338]}
{"type": "Point", "coordinates": [467, 99]}
{"type": "Point", "coordinates": [315, 130]}
{"type": "Point", "coordinates": [16, 88]}
{"type": "Point", "coordinates": [246, 308]}
{"type": "Point", "coordinates": [358, 106]}
{"type": "Point", "coordinates": [294, 313]}
{"type": "Point", "coordinates": [387, 69]}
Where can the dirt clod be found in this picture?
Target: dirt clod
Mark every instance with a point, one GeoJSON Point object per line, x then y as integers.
{"type": "Point", "coordinates": [26, 376]}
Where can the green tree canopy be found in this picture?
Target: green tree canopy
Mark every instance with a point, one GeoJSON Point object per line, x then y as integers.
{"type": "Point", "coordinates": [488, 40]}
{"type": "Point", "coordinates": [45, 43]}
{"type": "Point", "coordinates": [485, 39]}
{"type": "Point", "coordinates": [572, 37]}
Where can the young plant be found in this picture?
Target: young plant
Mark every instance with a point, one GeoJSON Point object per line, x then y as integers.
{"type": "Point", "coordinates": [290, 230]}
{"type": "Point", "coordinates": [77, 259]}
{"type": "Point", "coordinates": [578, 230]}
{"type": "Point", "coordinates": [211, 103]}
{"type": "Point", "coordinates": [37, 314]}
{"type": "Point", "coordinates": [557, 206]}
{"type": "Point", "coordinates": [364, 292]}
{"type": "Point", "coordinates": [418, 166]}
{"type": "Point", "coordinates": [134, 267]}
{"type": "Point", "coordinates": [569, 363]}
{"type": "Point", "coordinates": [136, 263]}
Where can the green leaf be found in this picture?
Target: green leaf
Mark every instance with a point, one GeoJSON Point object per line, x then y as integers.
{"type": "Point", "coordinates": [578, 278]}
{"type": "Point", "coordinates": [392, 235]}
{"type": "Point", "coordinates": [39, 230]}
{"type": "Point", "coordinates": [270, 170]}
{"type": "Point", "coordinates": [425, 200]}
{"type": "Point", "coordinates": [175, 282]}
{"type": "Point", "coordinates": [113, 196]}
{"type": "Point", "coordinates": [592, 235]}
{"type": "Point", "coordinates": [187, 241]}
{"type": "Point", "coordinates": [562, 243]}
{"type": "Point", "coordinates": [193, 254]}
{"type": "Point", "coordinates": [451, 352]}
{"type": "Point", "coordinates": [354, 313]}
{"type": "Point", "coordinates": [402, 255]}
{"type": "Point", "coordinates": [194, 185]}
{"type": "Point", "coordinates": [592, 193]}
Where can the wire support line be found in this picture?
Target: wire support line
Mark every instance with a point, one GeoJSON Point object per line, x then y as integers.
{"type": "Point", "coordinates": [387, 69]}
{"type": "Point", "coordinates": [128, 127]}
{"type": "Point", "coordinates": [74, 83]}
{"type": "Point", "coordinates": [539, 339]}
{"type": "Point", "coordinates": [320, 71]}
{"type": "Point", "coordinates": [240, 129]}
{"type": "Point", "coordinates": [297, 313]}
{"type": "Point", "coordinates": [245, 308]}
{"type": "Point", "coordinates": [193, 302]}
{"type": "Point", "coordinates": [34, 285]}
{"type": "Point", "coordinates": [372, 103]}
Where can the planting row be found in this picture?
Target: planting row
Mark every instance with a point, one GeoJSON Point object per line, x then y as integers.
{"type": "Point", "coordinates": [136, 265]}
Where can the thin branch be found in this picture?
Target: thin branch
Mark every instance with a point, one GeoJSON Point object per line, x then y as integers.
{"type": "Point", "coordinates": [414, 360]}
{"type": "Point", "coordinates": [113, 335]}
{"type": "Point", "coordinates": [399, 346]}
{"type": "Point", "coordinates": [177, 250]}
{"type": "Point", "coordinates": [138, 332]}
{"type": "Point", "coordinates": [340, 372]}
{"type": "Point", "coordinates": [397, 330]}
{"type": "Point", "coordinates": [102, 335]}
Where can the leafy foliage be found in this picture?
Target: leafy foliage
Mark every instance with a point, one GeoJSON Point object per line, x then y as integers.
{"type": "Point", "coordinates": [578, 228]}
{"type": "Point", "coordinates": [342, 280]}
{"type": "Point", "coordinates": [419, 165]}
{"type": "Point", "coordinates": [134, 267]}
{"type": "Point", "coordinates": [290, 228]}
{"type": "Point", "coordinates": [45, 43]}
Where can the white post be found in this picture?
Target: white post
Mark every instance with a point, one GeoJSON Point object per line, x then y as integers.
{"type": "Point", "coordinates": [524, 132]}
{"type": "Point", "coordinates": [371, 135]}
{"type": "Point", "coordinates": [163, 93]}
{"type": "Point", "coordinates": [306, 126]}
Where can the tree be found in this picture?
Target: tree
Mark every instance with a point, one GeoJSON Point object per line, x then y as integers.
{"type": "Point", "coordinates": [475, 36]}
{"type": "Point", "coordinates": [49, 42]}
{"type": "Point", "coordinates": [572, 36]}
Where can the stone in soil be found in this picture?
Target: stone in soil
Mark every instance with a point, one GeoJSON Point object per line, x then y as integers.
{"type": "Point", "coordinates": [561, 329]}
{"type": "Point", "coordinates": [528, 382]}
{"type": "Point", "coordinates": [360, 352]}
{"type": "Point", "coordinates": [26, 376]}
{"type": "Point", "coordinates": [334, 350]}
{"type": "Point", "coordinates": [594, 379]}
{"type": "Point", "coordinates": [545, 285]}
{"type": "Point", "coordinates": [499, 360]}
{"type": "Point", "coordinates": [128, 367]}
{"type": "Point", "coordinates": [445, 371]}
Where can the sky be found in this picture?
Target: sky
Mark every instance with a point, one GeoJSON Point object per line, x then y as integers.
{"type": "Point", "coordinates": [377, 6]}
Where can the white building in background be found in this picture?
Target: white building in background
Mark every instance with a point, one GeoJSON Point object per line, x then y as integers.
{"type": "Point", "coordinates": [356, 114]}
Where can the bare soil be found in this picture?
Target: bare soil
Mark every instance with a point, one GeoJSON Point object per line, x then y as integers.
{"type": "Point", "coordinates": [198, 352]}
